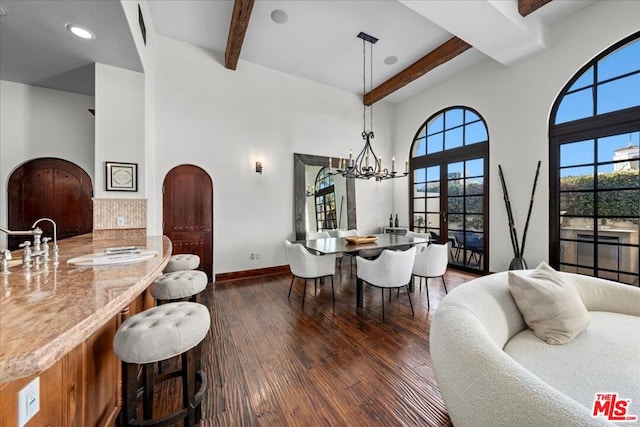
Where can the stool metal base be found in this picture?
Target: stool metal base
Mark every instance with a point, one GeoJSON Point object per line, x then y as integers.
{"type": "Point", "coordinates": [190, 412]}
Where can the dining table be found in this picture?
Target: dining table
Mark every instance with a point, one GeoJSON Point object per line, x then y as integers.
{"type": "Point", "coordinates": [336, 245]}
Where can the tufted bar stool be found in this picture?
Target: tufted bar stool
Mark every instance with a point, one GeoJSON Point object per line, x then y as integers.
{"type": "Point", "coordinates": [179, 285]}
{"type": "Point", "coordinates": [158, 334]}
{"type": "Point", "coordinates": [182, 262]}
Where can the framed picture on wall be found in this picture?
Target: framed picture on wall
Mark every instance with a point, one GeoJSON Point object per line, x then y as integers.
{"type": "Point", "coordinates": [121, 176]}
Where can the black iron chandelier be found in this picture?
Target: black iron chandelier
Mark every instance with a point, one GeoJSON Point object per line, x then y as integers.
{"type": "Point", "coordinates": [367, 164]}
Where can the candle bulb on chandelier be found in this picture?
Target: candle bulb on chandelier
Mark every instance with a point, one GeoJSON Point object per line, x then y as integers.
{"type": "Point", "coordinates": [380, 164]}
{"type": "Point", "coordinates": [367, 159]}
{"type": "Point", "coordinates": [340, 163]}
{"type": "Point", "coordinates": [393, 164]}
{"type": "Point", "coordinates": [406, 166]}
{"type": "Point", "coordinates": [330, 164]}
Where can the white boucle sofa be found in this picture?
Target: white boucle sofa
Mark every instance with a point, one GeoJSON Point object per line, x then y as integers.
{"type": "Point", "coordinates": [492, 370]}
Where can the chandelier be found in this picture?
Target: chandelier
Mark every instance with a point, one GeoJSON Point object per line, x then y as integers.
{"type": "Point", "coordinates": [367, 164]}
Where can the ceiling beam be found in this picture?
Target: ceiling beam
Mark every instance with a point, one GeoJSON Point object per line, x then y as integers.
{"type": "Point", "coordinates": [526, 7]}
{"type": "Point", "coordinates": [239, 23]}
{"type": "Point", "coordinates": [443, 53]}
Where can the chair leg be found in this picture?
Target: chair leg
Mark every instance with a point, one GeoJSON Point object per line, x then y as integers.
{"type": "Point", "coordinates": [291, 286]}
{"type": "Point", "coordinates": [333, 294]}
{"type": "Point", "coordinates": [147, 397]}
{"type": "Point", "coordinates": [426, 286]}
{"type": "Point", "coordinates": [389, 294]}
{"type": "Point", "coordinates": [304, 292]}
{"type": "Point", "coordinates": [445, 285]}
{"type": "Point", "coordinates": [315, 286]}
{"type": "Point", "coordinates": [382, 289]}
{"type": "Point", "coordinates": [410, 303]}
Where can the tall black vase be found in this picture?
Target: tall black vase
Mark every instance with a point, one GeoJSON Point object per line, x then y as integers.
{"type": "Point", "coordinates": [518, 264]}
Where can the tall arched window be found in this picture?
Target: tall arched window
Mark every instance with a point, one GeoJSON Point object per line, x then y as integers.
{"type": "Point", "coordinates": [448, 184]}
{"type": "Point", "coordinates": [594, 136]}
{"type": "Point", "coordinates": [325, 201]}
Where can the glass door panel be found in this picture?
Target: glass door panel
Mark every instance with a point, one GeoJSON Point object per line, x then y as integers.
{"type": "Point", "coordinates": [465, 212]}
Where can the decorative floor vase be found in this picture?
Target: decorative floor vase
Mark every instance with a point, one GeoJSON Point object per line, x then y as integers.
{"type": "Point", "coordinates": [518, 264]}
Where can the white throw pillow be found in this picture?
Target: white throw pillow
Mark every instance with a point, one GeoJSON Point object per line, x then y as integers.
{"type": "Point", "coordinates": [551, 306]}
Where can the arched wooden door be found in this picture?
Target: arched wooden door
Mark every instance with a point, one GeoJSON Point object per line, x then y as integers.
{"type": "Point", "coordinates": [187, 213]}
{"type": "Point", "coordinates": [52, 188]}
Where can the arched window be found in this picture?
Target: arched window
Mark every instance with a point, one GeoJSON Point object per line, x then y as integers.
{"type": "Point", "coordinates": [325, 201]}
{"type": "Point", "coordinates": [594, 137]}
{"type": "Point", "coordinates": [448, 184]}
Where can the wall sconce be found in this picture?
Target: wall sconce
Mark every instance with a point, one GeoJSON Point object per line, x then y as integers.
{"type": "Point", "coordinates": [259, 167]}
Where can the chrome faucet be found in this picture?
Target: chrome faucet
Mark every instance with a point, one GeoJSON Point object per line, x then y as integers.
{"type": "Point", "coordinates": [6, 256]}
{"type": "Point", "coordinates": [56, 254]}
{"type": "Point", "coordinates": [40, 251]}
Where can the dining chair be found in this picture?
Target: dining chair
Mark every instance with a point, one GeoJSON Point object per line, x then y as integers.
{"type": "Point", "coordinates": [350, 255]}
{"type": "Point", "coordinates": [392, 269]}
{"type": "Point", "coordinates": [415, 235]}
{"type": "Point", "coordinates": [431, 262]}
{"type": "Point", "coordinates": [305, 265]}
{"type": "Point", "coordinates": [314, 235]}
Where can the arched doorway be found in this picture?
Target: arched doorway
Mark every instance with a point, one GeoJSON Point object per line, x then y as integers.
{"type": "Point", "coordinates": [448, 187]}
{"type": "Point", "coordinates": [53, 188]}
{"type": "Point", "coordinates": [187, 213]}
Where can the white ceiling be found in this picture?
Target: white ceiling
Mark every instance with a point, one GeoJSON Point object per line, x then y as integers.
{"type": "Point", "coordinates": [37, 49]}
{"type": "Point", "coordinates": [318, 42]}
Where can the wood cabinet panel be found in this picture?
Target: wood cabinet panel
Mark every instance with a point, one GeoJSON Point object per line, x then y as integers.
{"type": "Point", "coordinates": [51, 399]}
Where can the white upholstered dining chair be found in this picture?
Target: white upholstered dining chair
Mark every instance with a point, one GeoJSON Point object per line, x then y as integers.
{"type": "Point", "coordinates": [350, 255]}
{"type": "Point", "coordinates": [392, 269]}
{"type": "Point", "coordinates": [314, 235]}
{"type": "Point", "coordinates": [431, 262]}
{"type": "Point", "coordinates": [305, 265]}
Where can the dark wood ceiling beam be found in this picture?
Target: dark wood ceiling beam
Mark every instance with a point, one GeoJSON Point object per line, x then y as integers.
{"type": "Point", "coordinates": [238, 28]}
{"type": "Point", "coordinates": [526, 7]}
{"type": "Point", "coordinates": [443, 53]}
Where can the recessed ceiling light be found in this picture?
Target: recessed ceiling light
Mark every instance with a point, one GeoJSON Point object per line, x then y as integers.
{"type": "Point", "coordinates": [279, 16]}
{"type": "Point", "coordinates": [3, 11]}
{"type": "Point", "coordinates": [390, 60]}
{"type": "Point", "coordinates": [81, 32]}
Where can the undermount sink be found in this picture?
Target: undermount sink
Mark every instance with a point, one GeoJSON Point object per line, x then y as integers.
{"type": "Point", "coordinates": [103, 258]}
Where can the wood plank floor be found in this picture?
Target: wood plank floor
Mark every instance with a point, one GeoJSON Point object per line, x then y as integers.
{"type": "Point", "coordinates": [271, 363]}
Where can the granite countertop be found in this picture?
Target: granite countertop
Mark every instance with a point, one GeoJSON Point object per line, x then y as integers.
{"type": "Point", "coordinates": [47, 311]}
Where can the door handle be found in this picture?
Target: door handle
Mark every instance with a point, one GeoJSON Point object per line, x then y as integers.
{"type": "Point", "coordinates": [444, 216]}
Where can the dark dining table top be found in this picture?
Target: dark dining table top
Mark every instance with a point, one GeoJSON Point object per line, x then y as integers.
{"type": "Point", "coordinates": [333, 245]}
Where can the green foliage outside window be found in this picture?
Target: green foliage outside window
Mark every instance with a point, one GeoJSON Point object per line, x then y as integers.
{"type": "Point", "coordinates": [622, 202]}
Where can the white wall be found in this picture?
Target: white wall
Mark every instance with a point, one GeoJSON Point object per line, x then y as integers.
{"type": "Point", "coordinates": [516, 103]}
{"type": "Point", "coordinates": [120, 125]}
{"type": "Point", "coordinates": [224, 121]}
{"type": "Point", "coordinates": [37, 122]}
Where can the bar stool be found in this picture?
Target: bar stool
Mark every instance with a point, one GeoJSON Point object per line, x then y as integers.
{"type": "Point", "coordinates": [182, 262]}
{"type": "Point", "coordinates": [157, 334]}
{"type": "Point", "coordinates": [179, 285]}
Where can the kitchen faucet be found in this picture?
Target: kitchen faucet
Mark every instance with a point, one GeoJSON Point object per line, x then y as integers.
{"type": "Point", "coordinates": [40, 251]}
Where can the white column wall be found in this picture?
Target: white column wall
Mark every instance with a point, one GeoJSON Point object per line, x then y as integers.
{"type": "Point", "coordinates": [120, 126]}
{"type": "Point", "coordinates": [516, 104]}
{"type": "Point", "coordinates": [37, 122]}
{"type": "Point", "coordinates": [224, 121]}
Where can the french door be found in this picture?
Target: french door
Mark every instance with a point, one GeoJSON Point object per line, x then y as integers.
{"type": "Point", "coordinates": [449, 202]}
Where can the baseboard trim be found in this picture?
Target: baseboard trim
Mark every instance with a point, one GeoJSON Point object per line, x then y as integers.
{"type": "Point", "coordinates": [245, 274]}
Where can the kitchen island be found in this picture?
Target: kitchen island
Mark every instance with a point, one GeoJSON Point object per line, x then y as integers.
{"type": "Point", "coordinates": [57, 323]}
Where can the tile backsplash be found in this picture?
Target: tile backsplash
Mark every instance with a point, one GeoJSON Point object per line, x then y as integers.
{"type": "Point", "coordinates": [119, 218]}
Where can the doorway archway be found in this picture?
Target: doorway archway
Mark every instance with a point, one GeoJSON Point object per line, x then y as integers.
{"type": "Point", "coordinates": [187, 213]}
{"type": "Point", "coordinates": [53, 188]}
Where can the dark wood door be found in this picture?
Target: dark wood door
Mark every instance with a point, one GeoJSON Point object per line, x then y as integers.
{"type": "Point", "coordinates": [52, 188]}
{"type": "Point", "coordinates": [188, 213]}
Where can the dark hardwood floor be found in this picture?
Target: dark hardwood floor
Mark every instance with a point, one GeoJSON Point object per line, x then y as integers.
{"type": "Point", "coordinates": [270, 363]}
